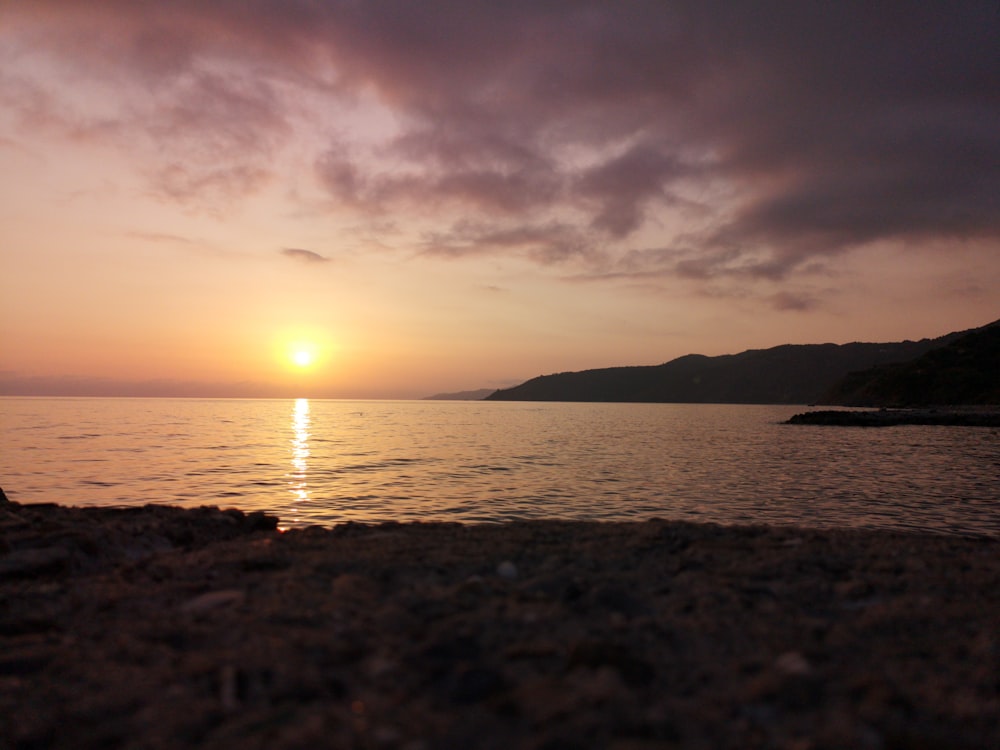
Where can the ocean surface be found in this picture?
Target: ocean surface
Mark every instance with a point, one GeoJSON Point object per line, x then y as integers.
{"type": "Point", "coordinates": [326, 462]}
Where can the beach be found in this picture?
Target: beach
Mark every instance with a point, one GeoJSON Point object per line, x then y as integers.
{"type": "Point", "coordinates": [159, 627]}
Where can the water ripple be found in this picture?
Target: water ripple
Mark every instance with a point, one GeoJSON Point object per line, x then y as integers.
{"type": "Point", "coordinates": [331, 461]}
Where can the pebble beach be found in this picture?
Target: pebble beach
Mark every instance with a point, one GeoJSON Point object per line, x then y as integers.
{"type": "Point", "coordinates": [160, 627]}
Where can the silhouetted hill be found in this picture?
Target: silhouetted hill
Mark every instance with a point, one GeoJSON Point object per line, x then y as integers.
{"type": "Point", "coordinates": [788, 374]}
{"type": "Point", "coordinates": [965, 371]}
{"type": "Point", "coordinates": [477, 395]}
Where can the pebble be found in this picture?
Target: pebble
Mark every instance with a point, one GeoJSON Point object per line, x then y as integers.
{"type": "Point", "coordinates": [30, 562]}
{"type": "Point", "coordinates": [476, 684]}
{"type": "Point", "coordinates": [25, 661]}
{"type": "Point", "coordinates": [229, 688]}
{"type": "Point", "coordinates": [10, 520]}
{"type": "Point", "coordinates": [793, 663]}
{"type": "Point", "coordinates": [507, 570]}
{"type": "Point", "coordinates": [212, 600]}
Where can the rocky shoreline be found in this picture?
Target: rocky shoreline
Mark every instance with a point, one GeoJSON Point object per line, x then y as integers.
{"type": "Point", "coordinates": [969, 417]}
{"type": "Point", "coordinates": [159, 627]}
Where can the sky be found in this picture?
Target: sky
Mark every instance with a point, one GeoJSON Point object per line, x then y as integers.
{"type": "Point", "coordinates": [392, 199]}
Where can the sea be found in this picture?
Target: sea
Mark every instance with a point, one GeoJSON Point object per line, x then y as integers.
{"type": "Point", "coordinates": [325, 462]}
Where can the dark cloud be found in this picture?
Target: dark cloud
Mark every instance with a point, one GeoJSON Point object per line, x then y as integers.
{"type": "Point", "coordinates": [442, 173]}
{"type": "Point", "coordinates": [793, 301]}
{"type": "Point", "coordinates": [304, 256]}
{"type": "Point", "coordinates": [210, 187]}
{"type": "Point", "coordinates": [546, 244]}
{"type": "Point", "coordinates": [217, 115]}
{"type": "Point", "coordinates": [622, 187]}
{"type": "Point", "coordinates": [764, 136]}
{"type": "Point", "coordinates": [700, 263]}
{"type": "Point", "coordinates": [342, 178]}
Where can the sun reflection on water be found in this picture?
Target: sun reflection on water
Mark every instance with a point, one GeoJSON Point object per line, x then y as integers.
{"type": "Point", "coordinates": [297, 477]}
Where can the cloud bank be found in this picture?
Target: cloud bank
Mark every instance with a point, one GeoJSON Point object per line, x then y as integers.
{"type": "Point", "coordinates": [697, 140]}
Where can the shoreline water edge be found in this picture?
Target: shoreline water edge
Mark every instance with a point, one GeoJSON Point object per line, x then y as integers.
{"type": "Point", "coordinates": [162, 627]}
{"type": "Point", "coordinates": [973, 416]}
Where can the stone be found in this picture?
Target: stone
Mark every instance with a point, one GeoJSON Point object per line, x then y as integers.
{"type": "Point", "coordinates": [212, 600]}
{"type": "Point", "coordinates": [25, 563]}
{"type": "Point", "coordinates": [476, 684]}
{"type": "Point", "coordinates": [507, 570]}
{"type": "Point", "coordinates": [25, 660]}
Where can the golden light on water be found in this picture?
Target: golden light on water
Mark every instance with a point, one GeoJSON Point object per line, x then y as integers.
{"type": "Point", "coordinates": [297, 477]}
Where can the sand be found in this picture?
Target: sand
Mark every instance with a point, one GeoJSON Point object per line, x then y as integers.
{"type": "Point", "coordinates": [158, 627]}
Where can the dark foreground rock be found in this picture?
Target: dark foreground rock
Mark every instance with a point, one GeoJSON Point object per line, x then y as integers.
{"type": "Point", "coordinates": [892, 417]}
{"type": "Point", "coordinates": [164, 628]}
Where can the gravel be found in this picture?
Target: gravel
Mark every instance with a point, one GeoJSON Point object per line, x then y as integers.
{"type": "Point", "coordinates": [159, 627]}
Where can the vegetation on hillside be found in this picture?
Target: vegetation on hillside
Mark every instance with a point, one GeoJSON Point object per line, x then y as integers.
{"type": "Point", "coordinates": [965, 371]}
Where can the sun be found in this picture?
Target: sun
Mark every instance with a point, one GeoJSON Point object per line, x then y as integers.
{"type": "Point", "coordinates": [302, 354]}
{"type": "Point", "coordinates": [302, 357]}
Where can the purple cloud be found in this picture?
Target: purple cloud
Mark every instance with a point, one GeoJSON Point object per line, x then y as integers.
{"type": "Point", "coordinates": [793, 301]}
{"type": "Point", "coordinates": [546, 244]}
{"type": "Point", "coordinates": [763, 138]}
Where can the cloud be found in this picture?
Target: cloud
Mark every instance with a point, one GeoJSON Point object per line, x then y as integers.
{"type": "Point", "coordinates": [752, 140]}
{"type": "Point", "coordinates": [622, 187]}
{"type": "Point", "coordinates": [441, 173]}
{"type": "Point", "coordinates": [160, 237]}
{"type": "Point", "coordinates": [211, 188]}
{"type": "Point", "coordinates": [546, 244]}
{"type": "Point", "coordinates": [793, 301]}
{"type": "Point", "coordinates": [303, 256]}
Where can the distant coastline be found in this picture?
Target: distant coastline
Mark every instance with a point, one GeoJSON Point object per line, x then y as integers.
{"type": "Point", "coordinates": [477, 395]}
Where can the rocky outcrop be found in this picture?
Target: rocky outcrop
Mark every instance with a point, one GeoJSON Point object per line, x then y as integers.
{"type": "Point", "coordinates": [893, 417]}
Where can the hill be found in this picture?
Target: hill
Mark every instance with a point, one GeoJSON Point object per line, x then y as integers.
{"type": "Point", "coordinates": [964, 371]}
{"type": "Point", "coordinates": [787, 374]}
{"type": "Point", "coordinates": [476, 395]}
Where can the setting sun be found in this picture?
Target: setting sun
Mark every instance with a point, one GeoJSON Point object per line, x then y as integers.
{"type": "Point", "coordinates": [302, 353]}
{"type": "Point", "coordinates": [302, 357]}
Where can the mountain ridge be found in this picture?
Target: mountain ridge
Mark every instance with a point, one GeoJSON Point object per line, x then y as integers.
{"type": "Point", "coordinates": [784, 374]}
{"type": "Point", "coordinates": [965, 371]}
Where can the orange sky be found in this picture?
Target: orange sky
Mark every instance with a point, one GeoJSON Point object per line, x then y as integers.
{"type": "Point", "coordinates": [467, 196]}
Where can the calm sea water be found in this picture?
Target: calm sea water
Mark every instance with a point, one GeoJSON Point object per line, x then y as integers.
{"type": "Point", "coordinates": [325, 462]}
